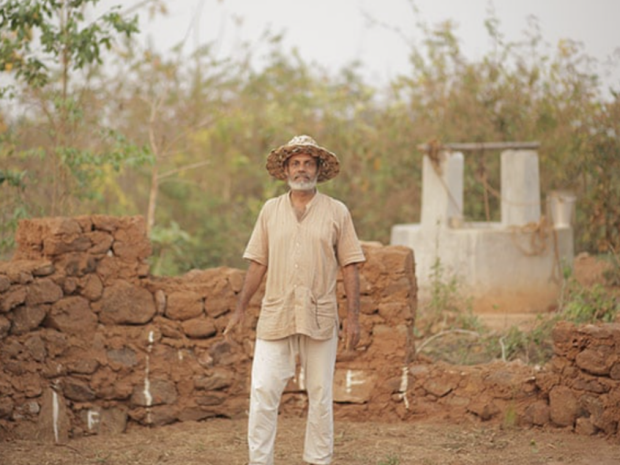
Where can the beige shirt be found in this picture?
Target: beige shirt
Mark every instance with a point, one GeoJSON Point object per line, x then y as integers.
{"type": "Point", "coordinates": [302, 259]}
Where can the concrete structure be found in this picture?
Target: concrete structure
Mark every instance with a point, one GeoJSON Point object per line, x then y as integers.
{"type": "Point", "coordinates": [509, 267]}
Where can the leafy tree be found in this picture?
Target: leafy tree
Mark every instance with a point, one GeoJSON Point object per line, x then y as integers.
{"type": "Point", "coordinates": [60, 143]}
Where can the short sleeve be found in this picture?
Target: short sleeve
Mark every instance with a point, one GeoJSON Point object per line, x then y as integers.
{"type": "Point", "coordinates": [257, 248]}
{"type": "Point", "coordinates": [348, 248]}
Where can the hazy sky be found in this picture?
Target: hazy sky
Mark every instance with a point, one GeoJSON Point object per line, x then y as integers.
{"type": "Point", "coordinates": [336, 32]}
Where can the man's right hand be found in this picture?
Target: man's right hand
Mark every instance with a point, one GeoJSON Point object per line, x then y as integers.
{"type": "Point", "coordinates": [235, 319]}
{"type": "Point", "coordinates": [252, 281]}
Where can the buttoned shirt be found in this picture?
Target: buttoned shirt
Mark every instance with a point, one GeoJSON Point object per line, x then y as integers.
{"type": "Point", "coordinates": [302, 257]}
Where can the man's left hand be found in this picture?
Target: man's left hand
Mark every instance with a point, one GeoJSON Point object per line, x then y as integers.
{"type": "Point", "coordinates": [352, 332]}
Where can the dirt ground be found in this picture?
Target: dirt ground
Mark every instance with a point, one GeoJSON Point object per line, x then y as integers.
{"type": "Point", "coordinates": [420, 442]}
{"type": "Point", "coordinates": [222, 442]}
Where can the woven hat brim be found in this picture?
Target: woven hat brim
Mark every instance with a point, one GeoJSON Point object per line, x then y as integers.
{"type": "Point", "coordinates": [330, 165]}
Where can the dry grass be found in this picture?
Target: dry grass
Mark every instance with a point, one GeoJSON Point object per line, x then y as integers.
{"type": "Point", "coordinates": [222, 442]}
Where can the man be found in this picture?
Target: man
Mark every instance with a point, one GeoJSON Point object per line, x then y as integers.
{"type": "Point", "coordinates": [299, 241]}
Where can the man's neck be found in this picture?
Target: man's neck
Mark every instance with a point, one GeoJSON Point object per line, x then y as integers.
{"type": "Point", "coordinates": [303, 196]}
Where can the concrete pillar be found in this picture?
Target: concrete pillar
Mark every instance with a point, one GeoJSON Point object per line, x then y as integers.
{"type": "Point", "coordinates": [442, 190]}
{"type": "Point", "coordinates": [520, 187]}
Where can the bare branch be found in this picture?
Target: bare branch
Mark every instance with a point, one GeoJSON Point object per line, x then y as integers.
{"type": "Point", "coordinates": [183, 168]}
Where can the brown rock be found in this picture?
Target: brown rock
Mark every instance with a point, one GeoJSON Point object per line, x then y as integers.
{"type": "Point", "coordinates": [593, 405]}
{"type": "Point", "coordinates": [584, 426]}
{"type": "Point", "coordinates": [36, 348]}
{"type": "Point", "coordinates": [124, 356]}
{"type": "Point", "coordinates": [106, 223]}
{"type": "Point", "coordinates": [199, 327]}
{"type": "Point", "coordinates": [563, 332]}
{"type": "Point", "coordinates": [60, 226]}
{"type": "Point", "coordinates": [5, 326]}
{"type": "Point", "coordinates": [26, 318]}
{"type": "Point", "coordinates": [91, 287]}
{"type": "Point", "coordinates": [161, 415]}
{"type": "Point", "coordinates": [53, 422]}
{"type": "Point", "coordinates": [388, 340]}
{"type": "Point", "coordinates": [83, 366]}
{"type": "Point", "coordinates": [104, 421]}
{"type": "Point", "coordinates": [154, 392]}
{"type": "Point", "coordinates": [60, 245]}
{"type": "Point", "coordinates": [169, 328]}
{"type": "Point", "coordinates": [597, 360]}
{"type": "Point", "coordinates": [608, 421]}
{"type": "Point", "coordinates": [483, 407]}
{"type": "Point", "coordinates": [184, 305]}
{"type": "Point", "coordinates": [160, 302]}
{"type": "Point", "coordinates": [195, 413]}
{"type": "Point", "coordinates": [44, 269]}
{"type": "Point", "coordinates": [29, 384]}
{"type": "Point", "coordinates": [397, 259]}
{"type": "Point", "coordinates": [395, 312]}
{"type": "Point", "coordinates": [537, 413]}
{"type": "Point", "coordinates": [221, 353]}
{"type": "Point", "coordinates": [218, 304]}
{"type": "Point", "coordinates": [124, 303]}
{"type": "Point", "coordinates": [6, 407]}
{"type": "Point", "coordinates": [77, 264]}
{"type": "Point", "coordinates": [43, 291]}
{"type": "Point", "coordinates": [5, 283]}
{"type": "Point", "coordinates": [368, 306]}
{"type": "Point", "coordinates": [101, 242]}
{"type": "Point", "coordinates": [563, 406]}
{"type": "Point", "coordinates": [56, 342]}
{"type": "Point", "coordinates": [215, 380]}
{"type": "Point", "coordinates": [353, 386]}
{"type": "Point", "coordinates": [70, 285]}
{"type": "Point", "coordinates": [129, 252]}
{"type": "Point", "coordinates": [77, 390]}
{"type": "Point", "coordinates": [72, 315]}
{"type": "Point", "coordinates": [211, 399]}
{"type": "Point", "coordinates": [12, 298]}
{"type": "Point", "coordinates": [20, 271]}
{"type": "Point", "coordinates": [440, 386]}
{"type": "Point", "coordinates": [113, 421]}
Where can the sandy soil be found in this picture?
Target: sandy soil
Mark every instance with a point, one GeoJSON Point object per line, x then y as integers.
{"type": "Point", "coordinates": [222, 442]}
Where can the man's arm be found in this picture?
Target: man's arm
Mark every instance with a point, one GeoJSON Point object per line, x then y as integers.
{"type": "Point", "coordinates": [351, 280]}
{"type": "Point", "coordinates": [253, 279]}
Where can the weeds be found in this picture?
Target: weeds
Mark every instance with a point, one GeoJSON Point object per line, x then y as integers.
{"type": "Point", "coordinates": [612, 274]}
{"type": "Point", "coordinates": [448, 317]}
{"type": "Point", "coordinates": [390, 460]}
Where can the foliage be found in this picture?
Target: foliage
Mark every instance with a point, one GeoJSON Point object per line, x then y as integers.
{"type": "Point", "coordinates": [612, 274]}
{"type": "Point", "coordinates": [589, 304]}
{"type": "Point", "coordinates": [45, 32]}
{"type": "Point", "coordinates": [182, 139]}
{"type": "Point", "coordinates": [65, 148]}
{"type": "Point", "coordinates": [168, 244]}
{"type": "Point", "coordinates": [447, 330]}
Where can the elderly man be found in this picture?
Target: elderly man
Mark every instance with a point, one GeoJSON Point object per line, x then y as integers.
{"type": "Point", "coordinates": [300, 241]}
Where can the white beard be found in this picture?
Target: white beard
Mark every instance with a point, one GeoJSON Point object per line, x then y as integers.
{"type": "Point", "coordinates": [303, 185]}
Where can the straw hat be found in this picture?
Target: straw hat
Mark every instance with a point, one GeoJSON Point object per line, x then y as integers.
{"type": "Point", "coordinates": [329, 166]}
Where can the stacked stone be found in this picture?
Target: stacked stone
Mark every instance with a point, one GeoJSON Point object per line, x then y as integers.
{"type": "Point", "coordinates": [582, 382]}
{"type": "Point", "coordinates": [497, 391]}
{"type": "Point", "coordinates": [90, 342]}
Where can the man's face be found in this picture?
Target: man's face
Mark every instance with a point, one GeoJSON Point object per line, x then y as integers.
{"type": "Point", "coordinates": [302, 171]}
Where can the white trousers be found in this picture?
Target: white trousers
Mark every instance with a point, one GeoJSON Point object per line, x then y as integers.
{"type": "Point", "coordinates": [274, 364]}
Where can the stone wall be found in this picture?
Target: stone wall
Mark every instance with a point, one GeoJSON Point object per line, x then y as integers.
{"type": "Point", "coordinates": [90, 342]}
{"type": "Point", "coordinates": [579, 389]}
